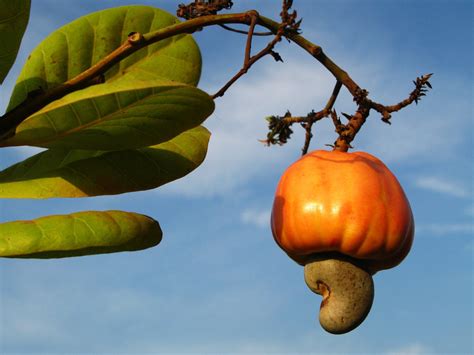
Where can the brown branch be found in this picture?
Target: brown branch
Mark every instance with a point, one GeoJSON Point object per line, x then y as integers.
{"type": "Point", "coordinates": [308, 136]}
{"type": "Point", "coordinates": [136, 41]}
{"type": "Point", "coordinates": [422, 85]}
{"type": "Point", "coordinates": [318, 116]}
{"type": "Point", "coordinates": [348, 131]}
{"type": "Point", "coordinates": [332, 99]}
{"type": "Point", "coordinates": [280, 126]}
{"type": "Point", "coordinates": [288, 25]}
{"type": "Point", "coordinates": [249, 61]}
{"type": "Point", "coordinates": [248, 46]}
{"type": "Point", "coordinates": [289, 28]}
{"type": "Point", "coordinates": [13, 118]}
{"type": "Point", "coordinates": [317, 52]}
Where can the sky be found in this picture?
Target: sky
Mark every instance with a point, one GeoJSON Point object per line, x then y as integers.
{"type": "Point", "coordinates": [218, 283]}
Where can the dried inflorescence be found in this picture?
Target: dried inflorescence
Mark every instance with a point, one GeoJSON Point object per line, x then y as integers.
{"type": "Point", "coordinates": [421, 87]}
{"type": "Point", "coordinates": [202, 8]}
{"type": "Point", "coordinates": [279, 129]}
{"type": "Point", "coordinates": [288, 20]}
{"type": "Point", "coordinates": [346, 132]}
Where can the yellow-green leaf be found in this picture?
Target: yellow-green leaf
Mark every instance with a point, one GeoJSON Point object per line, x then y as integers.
{"type": "Point", "coordinates": [77, 234]}
{"type": "Point", "coordinates": [123, 114]}
{"type": "Point", "coordinates": [146, 99]}
{"type": "Point", "coordinates": [14, 15]}
{"type": "Point", "coordinates": [81, 173]}
{"type": "Point", "coordinates": [80, 44]}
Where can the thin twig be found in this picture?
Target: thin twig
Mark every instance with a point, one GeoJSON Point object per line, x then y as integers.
{"type": "Point", "coordinates": [319, 115]}
{"type": "Point", "coordinates": [249, 61]}
{"type": "Point", "coordinates": [248, 46]}
{"type": "Point", "coordinates": [308, 126]}
{"type": "Point", "coordinates": [228, 28]}
{"type": "Point", "coordinates": [288, 24]}
{"type": "Point", "coordinates": [333, 98]}
{"type": "Point", "coordinates": [317, 52]}
{"type": "Point", "coordinates": [422, 85]}
{"type": "Point", "coordinates": [280, 126]}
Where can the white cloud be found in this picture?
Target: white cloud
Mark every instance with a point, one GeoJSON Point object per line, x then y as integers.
{"type": "Point", "coordinates": [235, 155]}
{"type": "Point", "coordinates": [446, 229]}
{"type": "Point", "coordinates": [259, 218]}
{"type": "Point", "coordinates": [402, 140]}
{"type": "Point", "coordinates": [413, 349]}
{"type": "Point", "coordinates": [441, 185]}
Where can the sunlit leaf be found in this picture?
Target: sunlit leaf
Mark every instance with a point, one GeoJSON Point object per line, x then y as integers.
{"type": "Point", "coordinates": [77, 234]}
{"type": "Point", "coordinates": [80, 173]}
{"type": "Point", "coordinates": [122, 114]}
{"type": "Point", "coordinates": [14, 16]}
{"type": "Point", "coordinates": [80, 44]}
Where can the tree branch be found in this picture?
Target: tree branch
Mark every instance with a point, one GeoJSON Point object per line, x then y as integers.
{"type": "Point", "coordinates": [288, 28]}
{"type": "Point", "coordinates": [13, 118]}
{"type": "Point", "coordinates": [318, 116]}
{"type": "Point", "coordinates": [348, 132]}
{"type": "Point", "coordinates": [422, 85]}
{"type": "Point", "coordinates": [249, 61]}
{"type": "Point", "coordinates": [136, 41]}
{"type": "Point", "coordinates": [317, 52]}
{"type": "Point", "coordinates": [280, 126]}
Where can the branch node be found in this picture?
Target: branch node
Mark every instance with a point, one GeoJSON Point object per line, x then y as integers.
{"type": "Point", "coordinates": [360, 96]}
{"type": "Point", "coordinates": [135, 38]}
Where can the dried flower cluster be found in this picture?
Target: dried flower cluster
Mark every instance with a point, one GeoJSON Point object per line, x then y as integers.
{"type": "Point", "coordinates": [202, 8]}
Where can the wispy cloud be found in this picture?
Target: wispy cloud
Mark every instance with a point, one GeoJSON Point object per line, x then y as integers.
{"type": "Point", "coordinates": [413, 349]}
{"type": "Point", "coordinates": [446, 229]}
{"type": "Point", "coordinates": [235, 155]}
{"type": "Point", "coordinates": [441, 185]}
{"type": "Point", "coordinates": [259, 218]}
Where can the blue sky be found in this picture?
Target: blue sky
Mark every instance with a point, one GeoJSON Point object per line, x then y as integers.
{"type": "Point", "coordinates": [218, 283]}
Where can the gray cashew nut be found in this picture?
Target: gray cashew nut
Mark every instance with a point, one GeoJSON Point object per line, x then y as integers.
{"type": "Point", "coordinates": [347, 290]}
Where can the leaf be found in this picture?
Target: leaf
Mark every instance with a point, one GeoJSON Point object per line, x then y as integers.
{"type": "Point", "coordinates": [77, 234]}
{"type": "Point", "coordinates": [80, 44]}
{"type": "Point", "coordinates": [123, 114]}
{"type": "Point", "coordinates": [144, 100]}
{"type": "Point", "coordinates": [80, 173]}
{"type": "Point", "coordinates": [14, 15]}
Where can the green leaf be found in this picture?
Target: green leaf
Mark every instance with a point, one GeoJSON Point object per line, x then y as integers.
{"type": "Point", "coordinates": [14, 15]}
{"type": "Point", "coordinates": [77, 234]}
{"type": "Point", "coordinates": [147, 98]}
{"type": "Point", "coordinates": [80, 44]}
{"type": "Point", "coordinates": [81, 173]}
{"type": "Point", "coordinates": [123, 114]}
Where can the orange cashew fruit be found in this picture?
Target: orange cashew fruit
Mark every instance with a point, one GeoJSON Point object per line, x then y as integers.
{"type": "Point", "coordinates": [344, 216]}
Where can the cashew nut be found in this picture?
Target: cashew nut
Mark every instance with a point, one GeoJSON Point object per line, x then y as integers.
{"type": "Point", "coordinates": [347, 290]}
